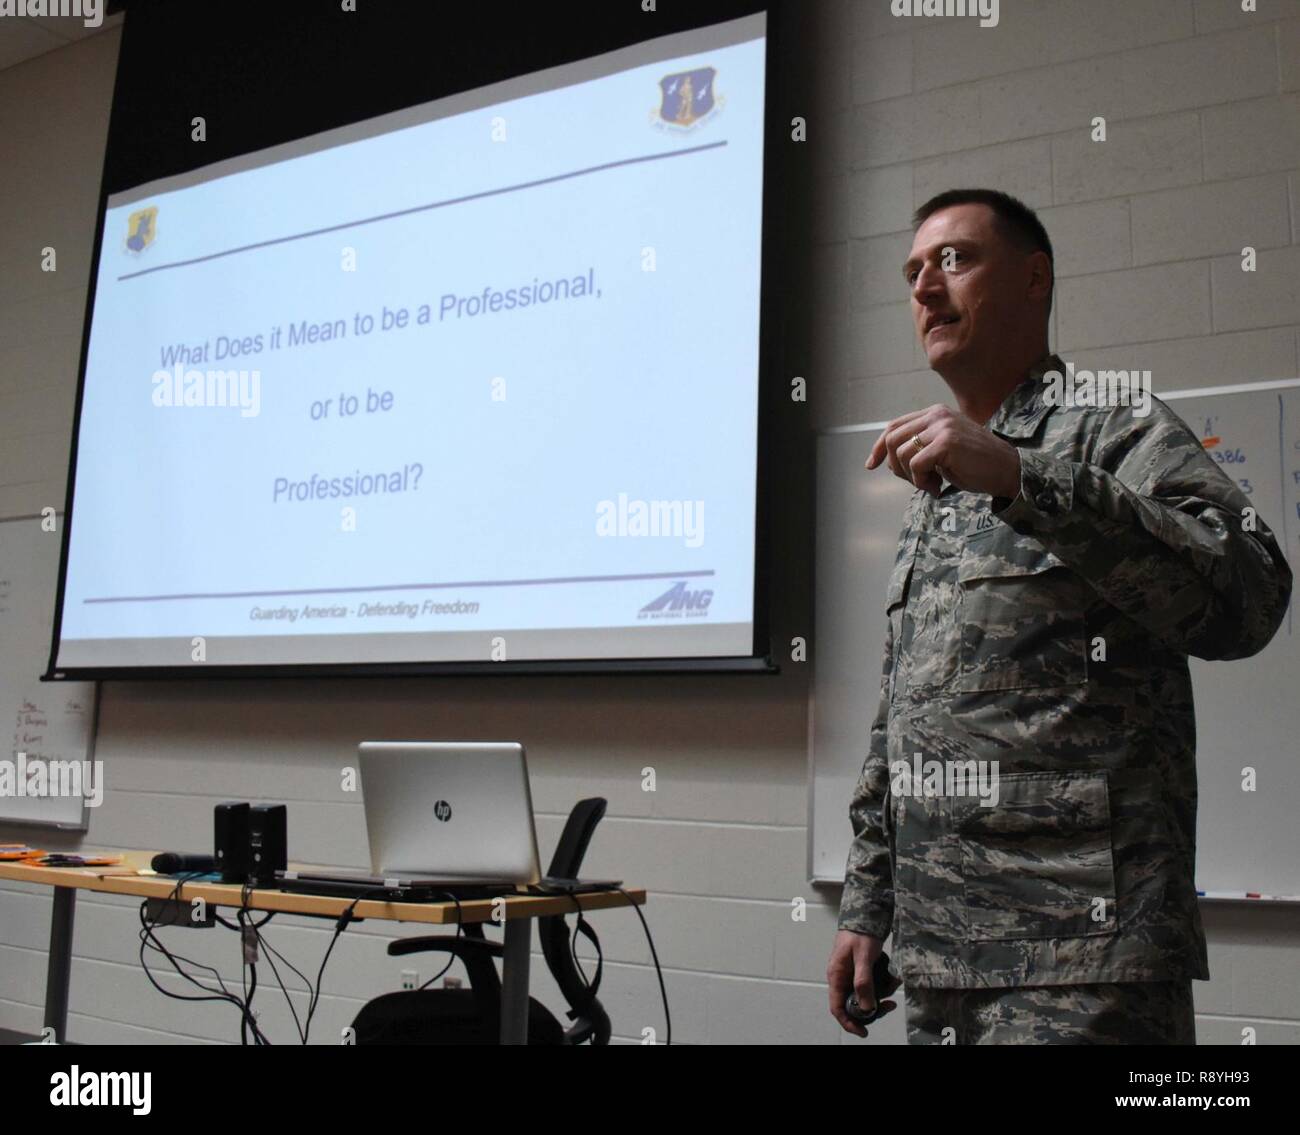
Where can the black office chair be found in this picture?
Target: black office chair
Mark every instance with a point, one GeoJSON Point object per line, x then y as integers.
{"type": "Point", "coordinates": [473, 1015]}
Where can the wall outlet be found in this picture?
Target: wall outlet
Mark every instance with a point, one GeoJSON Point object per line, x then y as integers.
{"type": "Point", "coordinates": [410, 979]}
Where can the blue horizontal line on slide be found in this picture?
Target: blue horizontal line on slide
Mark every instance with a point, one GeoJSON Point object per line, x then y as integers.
{"type": "Point", "coordinates": [403, 587]}
{"type": "Point", "coordinates": [425, 208]}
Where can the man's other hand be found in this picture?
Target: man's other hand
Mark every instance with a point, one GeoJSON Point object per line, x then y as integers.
{"type": "Point", "coordinates": [849, 971]}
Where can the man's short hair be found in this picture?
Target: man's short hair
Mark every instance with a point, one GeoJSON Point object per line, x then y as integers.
{"type": "Point", "coordinates": [1016, 221]}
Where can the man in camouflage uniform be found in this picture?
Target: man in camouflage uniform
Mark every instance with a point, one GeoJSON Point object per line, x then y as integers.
{"type": "Point", "coordinates": [1057, 565]}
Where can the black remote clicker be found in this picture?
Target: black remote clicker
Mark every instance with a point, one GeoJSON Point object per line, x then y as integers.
{"type": "Point", "coordinates": [885, 984]}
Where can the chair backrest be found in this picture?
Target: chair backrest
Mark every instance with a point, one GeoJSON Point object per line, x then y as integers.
{"type": "Point", "coordinates": [578, 829]}
{"type": "Point", "coordinates": [590, 1018]}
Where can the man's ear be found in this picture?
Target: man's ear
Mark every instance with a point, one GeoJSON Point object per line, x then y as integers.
{"type": "Point", "coordinates": [1040, 275]}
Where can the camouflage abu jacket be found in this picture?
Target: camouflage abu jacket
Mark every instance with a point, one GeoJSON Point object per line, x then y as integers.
{"type": "Point", "coordinates": [1050, 634]}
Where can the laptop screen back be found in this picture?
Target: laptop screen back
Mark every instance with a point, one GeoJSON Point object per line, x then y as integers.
{"type": "Point", "coordinates": [449, 810]}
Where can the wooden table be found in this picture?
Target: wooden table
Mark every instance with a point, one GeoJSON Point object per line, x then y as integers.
{"type": "Point", "coordinates": [125, 879]}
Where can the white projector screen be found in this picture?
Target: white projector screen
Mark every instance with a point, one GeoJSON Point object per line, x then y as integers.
{"type": "Point", "coordinates": [477, 381]}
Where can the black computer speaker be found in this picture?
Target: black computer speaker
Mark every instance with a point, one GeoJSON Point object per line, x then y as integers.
{"type": "Point", "coordinates": [230, 849]}
{"type": "Point", "coordinates": [268, 843]}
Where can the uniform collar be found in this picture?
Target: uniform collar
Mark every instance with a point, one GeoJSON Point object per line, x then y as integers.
{"type": "Point", "coordinates": [1025, 406]}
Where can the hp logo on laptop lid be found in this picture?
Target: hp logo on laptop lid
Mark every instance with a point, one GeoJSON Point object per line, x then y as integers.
{"type": "Point", "coordinates": [442, 810]}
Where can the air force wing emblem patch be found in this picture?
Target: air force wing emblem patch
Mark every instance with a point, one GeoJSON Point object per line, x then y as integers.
{"type": "Point", "coordinates": [688, 98]}
{"type": "Point", "coordinates": [141, 227]}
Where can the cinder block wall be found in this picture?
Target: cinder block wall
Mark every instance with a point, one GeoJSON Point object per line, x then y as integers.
{"type": "Point", "coordinates": [1201, 159]}
{"type": "Point", "coordinates": [1204, 144]}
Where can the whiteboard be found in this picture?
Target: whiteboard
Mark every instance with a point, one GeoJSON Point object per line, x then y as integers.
{"type": "Point", "coordinates": [1247, 711]}
{"type": "Point", "coordinates": [44, 720]}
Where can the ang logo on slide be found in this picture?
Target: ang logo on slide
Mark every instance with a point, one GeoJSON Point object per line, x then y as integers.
{"type": "Point", "coordinates": [687, 99]}
{"type": "Point", "coordinates": [141, 228]}
{"type": "Point", "coordinates": [678, 603]}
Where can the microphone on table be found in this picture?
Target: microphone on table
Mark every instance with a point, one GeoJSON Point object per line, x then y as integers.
{"type": "Point", "coordinates": [177, 863]}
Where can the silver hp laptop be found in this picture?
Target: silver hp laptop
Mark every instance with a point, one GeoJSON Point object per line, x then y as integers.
{"type": "Point", "coordinates": [442, 812]}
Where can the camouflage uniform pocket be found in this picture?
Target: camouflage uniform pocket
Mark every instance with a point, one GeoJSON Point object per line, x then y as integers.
{"type": "Point", "coordinates": [1022, 620]}
{"type": "Point", "coordinates": [1039, 863]}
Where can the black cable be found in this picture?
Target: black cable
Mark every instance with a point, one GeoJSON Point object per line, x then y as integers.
{"type": "Point", "coordinates": [256, 928]}
{"type": "Point", "coordinates": [244, 917]}
{"type": "Point", "coordinates": [244, 921]}
{"type": "Point", "coordinates": [244, 924]}
{"type": "Point", "coordinates": [149, 939]}
{"type": "Point", "coordinates": [243, 980]}
{"type": "Point", "coordinates": [663, 992]}
{"type": "Point", "coordinates": [460, 933]}
{"type": "Point", "coordinates": [344, 919]}
{"type": "Point", "coordinates": [252, 989]}
{"type": "Point", "coordinates": [573, 953]}
{"type": "Point", "coordinates": [243, 971]}
{"type": "Point", "coordinates": [147, 936]}
{"type": "Point", "coordinates": [271, 954]}
{"type": "Point", "coordinates": [573, 943]}
{"type": "Point", "coordinates": [573, 946]}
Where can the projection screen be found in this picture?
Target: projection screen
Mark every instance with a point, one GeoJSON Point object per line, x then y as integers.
{"type": "Point", "coordinates": [475, 381]}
